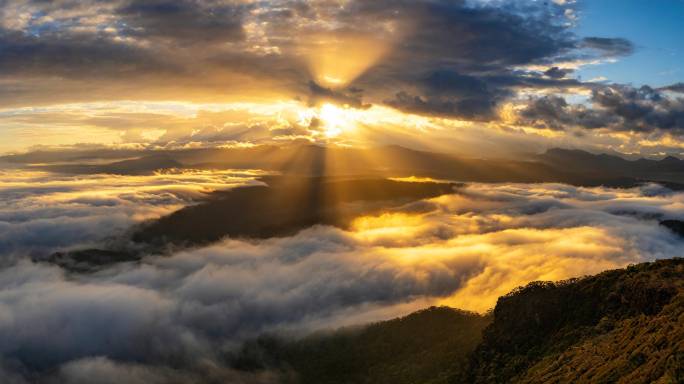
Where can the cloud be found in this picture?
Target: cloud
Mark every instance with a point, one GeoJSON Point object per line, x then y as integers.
{"type": "Point", "coordinates": [599, 79]}
{"type": "Point", "coordinates": [101, 370]}
{"type": "Point", "coordinates": [451, 95]}
{"type": "Point", "coordinates": [191, 305]}
{"type": "Point", "coordinates": [642, 109]}
{"type": "Point", "coordinates": [42, 213]}
{"type": "Point", "coordinates": [77, 54]}
{"type": "Point", "coordinates": [676, 88]}
{"type": "Point", "coordinates": [670, 72]}
{"type": "Point", "coordinates": [230, 132]}
{"type": "Point", "coordinates": [548, 108]}
{"type": "Point", "coordinates": [609, 46]}
{"type": "Point", "coordinates": [216, 73]}
{"type": "Point", "coordinates": [553, 112]}
{"type": "Point", "coordinates": [129, 49]}
{"type": "Point", "coordinates": [182, 20]}
{"type": "Point", "coordinates": [469, 109]}
{"type": "Point", "coordinates": [172, 318]}
{"type": "Point", "coordinates": [321, 95]}
{"type": "Point", "coordinates": [558, 73]}
{"type": "Point", "coordinates": [617, 108]}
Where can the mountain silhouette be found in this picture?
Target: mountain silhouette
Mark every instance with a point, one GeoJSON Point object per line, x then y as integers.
{"type": "Point", "coordinates": [555, 165]}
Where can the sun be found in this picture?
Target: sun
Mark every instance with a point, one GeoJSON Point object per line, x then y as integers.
{"type": "Point", "coordinates": [334, 119]}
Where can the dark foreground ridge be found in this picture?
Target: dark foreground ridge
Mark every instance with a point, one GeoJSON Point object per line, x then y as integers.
{"type": "Point", "coordinates": [620, 326]}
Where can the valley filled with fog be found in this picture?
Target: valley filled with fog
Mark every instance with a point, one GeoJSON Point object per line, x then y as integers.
{"type": "Point", "coordinates": [179, 310]}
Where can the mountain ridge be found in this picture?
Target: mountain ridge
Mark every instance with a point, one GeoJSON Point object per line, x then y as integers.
{"type": "Point", "coordinates": [572, 166]}
{"type": "Point", "coordinates": [575, 167]}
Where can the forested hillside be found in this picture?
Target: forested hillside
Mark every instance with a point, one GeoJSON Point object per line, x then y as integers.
{"type": "Point", "coordinates": [620, 326]}
{"type": "Point", "coordinates": [427, 346]}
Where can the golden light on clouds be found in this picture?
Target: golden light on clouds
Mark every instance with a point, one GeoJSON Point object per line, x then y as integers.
{"type": "Point", "coordinates": [485, 240]}
{"type": "Point", "coordinates": [339, 60]}
{"type": "Point", "coordinates": [485, 226]}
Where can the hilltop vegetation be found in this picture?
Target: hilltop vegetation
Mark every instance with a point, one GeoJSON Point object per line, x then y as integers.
{"type": "Point", "coordinates": [424, 347]}
{"type": "Point", "coordinates": [620, 326]}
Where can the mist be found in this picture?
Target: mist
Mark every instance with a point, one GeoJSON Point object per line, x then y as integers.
{"type": "Point", "coordinates": [176, 317]}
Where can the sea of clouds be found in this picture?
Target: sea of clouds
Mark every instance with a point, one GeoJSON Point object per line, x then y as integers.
{"type": "Point", "coordinates": [175, 318]}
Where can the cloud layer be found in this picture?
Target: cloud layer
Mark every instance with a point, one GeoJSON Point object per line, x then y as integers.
{"type": "Point", "coordinates": [41, 213]}
{"type": "Point", "coordinates": [174, 318]}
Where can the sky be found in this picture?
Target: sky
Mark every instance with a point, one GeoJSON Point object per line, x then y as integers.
{"type": "Point", "coordinates": [655, 27]}
{"type": "Point", "coordinates": [480, 78]}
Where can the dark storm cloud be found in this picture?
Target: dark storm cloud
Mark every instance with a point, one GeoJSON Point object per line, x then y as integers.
{"type": "Point", "coordinates": [513, 81]}
{"type": "Point", "coordinates": [548, 108]}
{"type": "Point", "coordinates": [499, 35]}
{"type": "Point", "coordinates": [554, 112]}
{"type": "Point", "coordinates": [458, 60]}
{"type": "Point", "coordinates": [558, 73]}
{"type": "Point", "coordinates": [142, 49]}
{"type": "Point", "coordinates": [139, 50]}
{"type": "Point", "coordinates": [616, 107]}
{"type": "Point", "coordinates": [474, 109]}
{"type": "Point", "coordinates": [631, 104]}
{"type": "Point", "coordinates": [451, 36]}
{"type": "Point", "coordinates": [473, 48]}
{"type": "Point", "coordinates": [75, 54]}
{"type": "Point", "coordinates": [321, 95]}
{"type": "Point", "coordinates": [452, 95]}
{"type": "Point", "coordinates": [676, 87]}
{"type": "Point", "coordinates": [609, 46]}
{"type": "Point", "coordinates": [642, 109]}
{"type": "Point", "coordinates": [185, 20]}
{"type": "Point", "coordinates": [454, 84]}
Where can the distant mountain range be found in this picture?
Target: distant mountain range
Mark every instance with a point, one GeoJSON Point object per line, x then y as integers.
{"type": "Point", "coordinates": [140, 166]}
{"type": "Point", "coordinates": [578, 161]}
{"type": "Point", "coordinates": [555, 165]}
{"type": "Point", "coordinates": [620, 326]}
